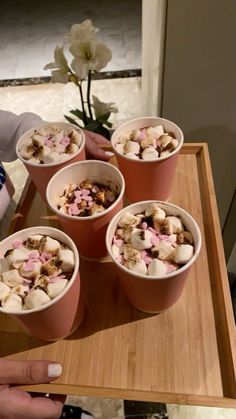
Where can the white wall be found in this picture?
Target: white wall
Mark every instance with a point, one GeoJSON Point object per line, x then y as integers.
{"type": "Point", "coordinates": [199, 89]}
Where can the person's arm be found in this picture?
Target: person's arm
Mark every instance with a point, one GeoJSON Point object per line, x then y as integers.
{"type": "Point", "coordinates": [12, 126]}
{"type": "Point", "coordinates": [16, 403]}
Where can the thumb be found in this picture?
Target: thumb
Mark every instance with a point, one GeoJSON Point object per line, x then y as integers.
{"type": "Point", "coordinates": [28, 372]}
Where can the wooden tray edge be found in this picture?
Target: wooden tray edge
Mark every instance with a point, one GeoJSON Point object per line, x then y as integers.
{"type": "Point", "coordinates": [222, 305]}
{"type": "Point", "coordinates": [169, 398]}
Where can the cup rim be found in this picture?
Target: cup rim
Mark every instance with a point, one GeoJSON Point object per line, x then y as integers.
{"type": "Point", "coordinates": [89, 217]}
{"type": "Point", "coordinates": [43, 124]}
{"type": "Point", "coordinates": [141, 161]}
{"type": "Point", "coordinates": [152, 277]}
{"type": "Point", "coordinates": [73, 247]}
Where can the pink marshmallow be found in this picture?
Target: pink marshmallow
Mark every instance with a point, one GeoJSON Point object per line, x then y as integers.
{"type": "Point", "coordinates": [29, 266]}
{"type": "Point", "coordinates": [17, 243]}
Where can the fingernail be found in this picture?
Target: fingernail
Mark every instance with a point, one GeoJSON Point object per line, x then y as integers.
{"type": "Point", "coordinates": [109, 153]}
{"type": "Point", "coordinates": [54, 370]}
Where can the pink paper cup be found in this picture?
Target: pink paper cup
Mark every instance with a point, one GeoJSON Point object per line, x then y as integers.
{"type": "Point", "coordinates": [149, 293]}
{"type": "Point", "coordinates": [42, 173]}
{"type": "Point", "coordinates": [89, 232]}
{"type": "Point", "coordinates": [61, 316]}
{"type": "Point", "coordinates": [148, 179]}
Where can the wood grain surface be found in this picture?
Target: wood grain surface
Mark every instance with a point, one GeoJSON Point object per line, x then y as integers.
{"type": "Point", "coordinates": [185, 355]}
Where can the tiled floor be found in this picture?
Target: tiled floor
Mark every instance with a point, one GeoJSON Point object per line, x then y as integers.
{"type": "Point", "coordinates": [30, 30]}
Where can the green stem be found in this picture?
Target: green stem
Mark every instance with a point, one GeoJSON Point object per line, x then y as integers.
{"type": "Point", "coordinates": [88, 94]}
{"type": "Point", "coordinates": [82, 102]}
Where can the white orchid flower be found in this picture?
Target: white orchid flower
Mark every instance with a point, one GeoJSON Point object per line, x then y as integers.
{"type": "Point", "coordinates": [60, 74]}
{"type": "Point", "coordinates": [89, 56]}
{"type": "Point", "coordinates": [82, 32]}
{"type": "Point", "coordinates": [102, 108]}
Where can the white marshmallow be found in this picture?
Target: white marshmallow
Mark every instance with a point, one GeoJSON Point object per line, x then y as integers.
{"type": "Point", "coordinates": [174, 143]}
{"type": "Point", "coordinates": [149, 142]}
{"type": "Point", "coordinates": [132, 156]}
{"type": "Point", "coordinates": [165, 140]}
{"type": "Point", "coordinates": [188, 237]}
{"type": "Point", "coordinates": [21, 290]}
{"type": "Point", "coordinates": [39, 138]}
{"type": "Point", "coordinates": [36, 298]}
{"type": "Point", "coordinates": [33, 273]}
{"type": "Point", "coordinates": [139, 266]}
{"type": "Point", "coordinates": [171, 225]}
{"type": "Point", "coordinates": [165, 154]}
{"type": "Point", "coordinates": [51, 157]}
{"type": "Point", "coordinates": [155, 211]}
{"type": "Point", "coordinates": [67, 258]}
{"type": "Point", "coordinates": [117, 250]}
{"type": "Point", "coordinates": [12, 278]}
{"type": "Point", "coordinates": [164, 249]}
{"type": "Point", "coordinates": [131, 254]}
{"type": "Point", "coordinates": [75, 137]}
{"type": "Point", "coordinates": [135, 134]}
{"type": "Point", "coordinates": [53, 289]}
{"type": "Point", "coordinates": [132, 147]}
{"type": "Point", "coordinates": [41, 281]}
{"type": "Point", "coordinates": [34, 160]}
{"type": "Point", "coordinates": [50, 268]}
{"type": "Point", "coordinates": [120, 148]}
{"type": "Point", "coordinates": [72, 149]}
{"type": "Point", "coordinates": [125, 137]}
{"type": "Point", "coordinates": [4, 290]}
{"type": "Point", "coordinates": [16, 257]}
{"type": "Point", "coordinates": [50, 245]}
{"type": "Point", "coordinates": [183, 253]}
{"type": "Point", "coordinates": [12, 303]}
{"type": "Point", "coordinates": [156, 131]}
{"type": "Point", "coordinates": [149, 154]}
{"type": "Point", "coordinates": [157, 268]}
{"type": "Point", "coordinates": [141, 239]}
{"type": "Point", "coordinates": [64, 157]}
{"type": "Point", "coordinates": [46, 150]}
{"type": "Point", "coordinates": [128, 220]}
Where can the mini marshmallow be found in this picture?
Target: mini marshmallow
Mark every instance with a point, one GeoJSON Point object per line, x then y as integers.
{"type": "Point", "coordinates": [66, 256]}
{"type": "Point", "coordinates": [12, 278]}
{"type": "Point", "coordinates": [171, 225]}
{"type": "Point", "coordinates": [41, 282]}
{"type": "Point", "coordinates": [39, 138]}
{"type": "Point", "coordinates": [132, 156]}
{"type": "Point", "coordinates": [49, 245]}
{"type": "Point", "coordinates": [128, 220]}
{"type": "Point", "coordinates": [141, 239]}
{"type": "Point", "coordinates": [52, 267]}
{"type": "Point", "coordinates": [117, 250]}
{"type": "Point", "coordinates": [174, 143]}
{"type": "Point", "coordinates": [75, 137]}
{"type": "Point", "coordinates": [96, 208]}
{"type": "Point", "coordinates": [156, 131]}
{"type": "Point", "coordinates": [155, 211]}
{"type": "Point", "coordinates": [165, 154]}
{"type": "Point", "coordinates": [183, 253]}
{"type": "Point", "coordinates": [149, 142]}
{"type": "Point", "coordinates": [165, 140]}
{"type": "Point", "coordinates": [157, 268]}
{"type": "Point", "coordinates": [149, 154]}
{"type": "Point", "coordinates": [164, 249]}
{"type": "Point", "coordinates": [139, 267]}
{"type": "Point", "coordinates": [15, 257]}
{"type": "Point", "coordinates": [36, 298]}
{"type": "Point", "coordinates": [72, 149]}
{"type": "Point", "coordinates": [53, 289]}
{"type": "Point", "coordinates": [120, 148]}
{"type": "Point", "coordinates": [12, 303]}
{"type": "Point", "coordinates": [20, 290]}
{"type": "Point", "coordinates": [30, 269]}
{"type": "Point", "coordinates": [132, 147]}
{"type": "Point", "coordinates": [4, 290]}
{"type": "Point", "coordinates": [131, 254]}
{"type": "Point", "coordinates": [51, 157]}
{"type": "Point", "coordinates": [135, 134]}
{"type": "Point", "coordinates": [127, 136]}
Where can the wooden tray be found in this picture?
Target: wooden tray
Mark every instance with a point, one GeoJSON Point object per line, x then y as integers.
{"type": "Point", "coordinates": [186, 355]}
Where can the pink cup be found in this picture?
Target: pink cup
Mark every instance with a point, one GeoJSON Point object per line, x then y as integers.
{"type": "Point", "coordinates": [61, 316]}
{"type": "Point", "coordinates": [149, 293]}
{"type": "Point", "coordinates": [41, 173]}
{"type": "Point", "coordinates": [89, 232]}
{"type": "Point", "coordinates": [148, 179]}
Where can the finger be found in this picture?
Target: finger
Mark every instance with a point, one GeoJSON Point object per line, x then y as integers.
{"type": "Point", "coordinates": [92, 150]}
{"type": "Point", "coordinates": [97, 138]}
{"type": "Point", "coordinates": [28, 372]}
{"type": "Point", "coordinates": [26, 407]}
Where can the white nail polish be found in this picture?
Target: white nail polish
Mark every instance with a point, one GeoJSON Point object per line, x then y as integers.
{"type": "Point", "coordinates": [54, 370]}
{"type": "Point", "coordinates": [109, 153]}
